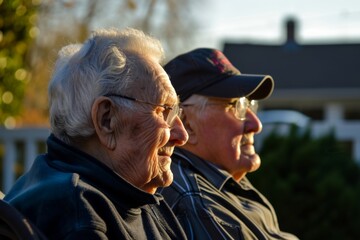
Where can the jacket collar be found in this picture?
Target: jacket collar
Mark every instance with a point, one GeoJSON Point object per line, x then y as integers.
{"type": "Point", "coordinates": [210, 171]}
{"type": "Point", "coordinates": [69, 159]}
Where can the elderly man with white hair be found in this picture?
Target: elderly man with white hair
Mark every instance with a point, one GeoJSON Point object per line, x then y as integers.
{"type": "Point", "coordinates": [114, 125]}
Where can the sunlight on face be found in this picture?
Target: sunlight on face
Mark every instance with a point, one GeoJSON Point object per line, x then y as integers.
{"type": "Point", "coordinates": [225, 140]}
{"type": "Point", "coordinates": [148, 149]}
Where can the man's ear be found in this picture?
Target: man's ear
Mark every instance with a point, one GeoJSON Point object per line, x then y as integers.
{"type": "Point", "coordinates": [104, 121]}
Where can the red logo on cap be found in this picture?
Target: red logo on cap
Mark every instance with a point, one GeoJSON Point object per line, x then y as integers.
{"type": "Point", "coordinates": [220, 61]}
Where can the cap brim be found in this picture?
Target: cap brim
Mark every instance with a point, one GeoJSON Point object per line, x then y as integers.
{"type": "Point", "coordinates": [244, 85]}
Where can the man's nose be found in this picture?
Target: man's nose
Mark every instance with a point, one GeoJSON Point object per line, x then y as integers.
{"type": "Point", "coordinates": [178, 134]}
{"type": "Point", "coordinates": [252, 122]}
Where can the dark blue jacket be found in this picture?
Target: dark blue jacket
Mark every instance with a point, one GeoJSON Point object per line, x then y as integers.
{"type": "Point", "coordinates": [210, 204]}
{"type": "Point", "coordinates": [68, 194]}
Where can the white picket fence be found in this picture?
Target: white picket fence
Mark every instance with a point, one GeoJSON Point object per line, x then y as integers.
{"type": "Point", "coordinates": [31, 137]}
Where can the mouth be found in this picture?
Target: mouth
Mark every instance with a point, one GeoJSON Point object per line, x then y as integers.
{"type": "Point", "coordinates": [246, 141]}
{"type": "Point", "coordinates": [247, 148]}
{"type": "Point", "coordinates": [246, 144]}
{"type": "Point", "coordinates": [164, 157]}
{"type": "Point", "coordinates": [166, 152]}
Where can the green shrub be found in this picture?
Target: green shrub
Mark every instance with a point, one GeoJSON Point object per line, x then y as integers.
{"type": "Point", "coordinates": [313, 184]}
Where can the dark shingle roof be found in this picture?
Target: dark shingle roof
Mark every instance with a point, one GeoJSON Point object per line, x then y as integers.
{"type": "Point", "coordinates": [295, 66]}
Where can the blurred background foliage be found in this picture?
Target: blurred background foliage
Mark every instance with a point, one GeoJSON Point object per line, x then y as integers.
{"type": "Point", "coordinates": [32, 32]}
{"type": "Point", "coordinates": [313, 184]}
{"type": "Point", "coordinates": [17, 33]}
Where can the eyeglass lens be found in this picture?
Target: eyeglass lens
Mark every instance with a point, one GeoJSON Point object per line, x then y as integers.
{"type": "Point", "coordinates": [175, 111]}
{"type": "Point", "coordinates": [242, 105]}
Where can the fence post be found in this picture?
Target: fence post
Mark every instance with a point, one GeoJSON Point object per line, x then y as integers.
{"type": "Point", "coordinates": [8, 166]}
{"type": "Point", "coordinates": [9, 138]}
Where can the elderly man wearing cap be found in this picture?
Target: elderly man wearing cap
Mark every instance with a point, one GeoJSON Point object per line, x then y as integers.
{"type": "Point", "coordinates": [210, 194]}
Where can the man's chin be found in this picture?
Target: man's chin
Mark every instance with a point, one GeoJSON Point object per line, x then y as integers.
{"type": "Point", "coordinates": [251, 162]}
{"type": "Point", "coordinates": [164, 179]}
{"type": "Point", "coordinates": [167, 178]}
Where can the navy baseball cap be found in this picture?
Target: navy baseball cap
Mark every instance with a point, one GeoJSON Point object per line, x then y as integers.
{"type": "Point", "coordinates": [208, 72]}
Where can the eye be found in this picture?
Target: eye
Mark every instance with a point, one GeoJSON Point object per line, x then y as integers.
{"type": "Point", "coordinates": [166, 112]}
{"type": "Point", "coordinates": [163, 111]}
{"type": "Point", "coordinates": [231, 105]}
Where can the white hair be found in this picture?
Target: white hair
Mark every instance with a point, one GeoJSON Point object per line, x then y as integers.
{"type": "Point", "coordinates": [198, 103]}
{"type": "Point", "coordinates": [110, 61]}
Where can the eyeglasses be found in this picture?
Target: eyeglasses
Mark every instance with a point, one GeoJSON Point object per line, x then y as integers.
{"type": "Point", "coordinates": [170, 113]}
{"type": "Point", "coordinates": [240, 107]}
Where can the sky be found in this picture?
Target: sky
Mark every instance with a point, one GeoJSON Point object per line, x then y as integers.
{"type": "Point", "coordinates": [262, 21]}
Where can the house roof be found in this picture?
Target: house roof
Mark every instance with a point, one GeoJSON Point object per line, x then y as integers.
{"type": "Point", "coordinates": [329, 69]}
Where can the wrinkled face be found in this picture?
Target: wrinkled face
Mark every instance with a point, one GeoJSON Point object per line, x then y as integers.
{"type": "Point", "coordinates": [224, 140]}
{"type": "Point", "coordinates": [149, 140]}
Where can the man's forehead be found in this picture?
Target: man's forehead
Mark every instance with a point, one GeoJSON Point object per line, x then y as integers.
{"type": "Point", "coordinates": [167, 90]}
{"type": "Point", "coordinates": [171, 97]}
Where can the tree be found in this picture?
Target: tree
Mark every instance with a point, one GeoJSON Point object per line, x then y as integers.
{"type": "Point", "coordinates": [17, 31]}
{"type": "Point", "coordinates": [314, 185]}
{"type": "Point", "coordinates": [68, 21]}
